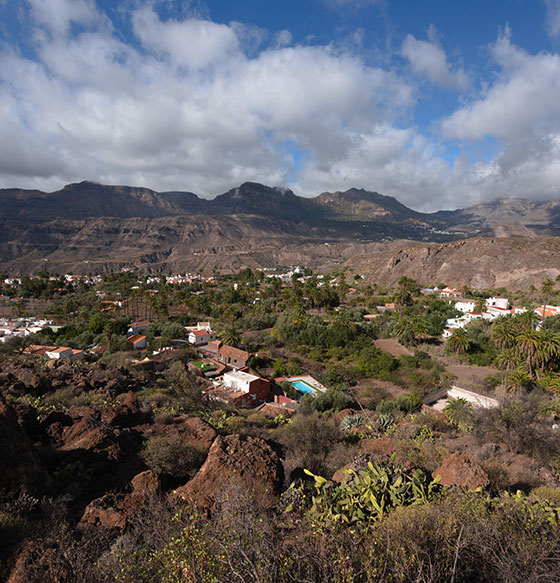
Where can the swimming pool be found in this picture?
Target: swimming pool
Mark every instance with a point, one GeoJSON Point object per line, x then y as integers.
{"type": "Point", "coordinates": [302, 387]}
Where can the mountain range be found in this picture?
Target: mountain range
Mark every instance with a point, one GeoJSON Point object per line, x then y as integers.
{"type": "Point", "coordinates": [89, 227]}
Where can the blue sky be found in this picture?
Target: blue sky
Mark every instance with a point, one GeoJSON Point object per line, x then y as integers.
{"type": "Point", "coordinates": [440, 104]}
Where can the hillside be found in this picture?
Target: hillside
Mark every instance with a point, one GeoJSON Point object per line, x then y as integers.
{"type": "Point", "coordinates": [514, 263]}
{"type": "Point", "coordinates": [89, 227]}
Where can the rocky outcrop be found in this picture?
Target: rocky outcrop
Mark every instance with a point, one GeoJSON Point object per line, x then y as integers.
{"type": "Point", "coordinates": [194, 431]}
{"type": "Point", "coordinates": [91, 435]}
{"type": "Point", "coordinates": [114, 511]}
{"type": "Point", "coordinates": [461, 469]}
{"type": "Point", "coordinates": [127, 414]}
{"type": "Point", "coordinates": [248, 462]}
{"type": "Point", "coordinates": [19, 463]}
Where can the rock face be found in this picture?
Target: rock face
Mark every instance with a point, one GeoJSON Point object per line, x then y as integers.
{"type": "Point", "coordinates": [194, 432]}
{"type": "Point", "coordinates": [20, 467]}
{"type": "Point", "coordinates": [127, 414]}
{"type": "Point", "coordinates": [238, 460]}
{"type": "Point", "coordinates": [115, 510]}
{"type": "Point", "coordinates": [460, 469]}
{"type": "Point", "coordinates": [514, 263]}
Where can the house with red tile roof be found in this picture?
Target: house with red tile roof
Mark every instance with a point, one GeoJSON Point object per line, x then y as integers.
{"type": "Point", "coordinates": [138, 341]}
{"type": "Point", "coordinates": [201, 337]}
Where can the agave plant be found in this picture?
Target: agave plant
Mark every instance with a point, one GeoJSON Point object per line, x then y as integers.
{"type": "Point", "coordinates": [351, 421]}
{"type": "Point", "coordinates": [385, 421]}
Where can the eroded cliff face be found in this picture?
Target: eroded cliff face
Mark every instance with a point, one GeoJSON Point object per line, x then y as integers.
{"type": "Point", "coordinates": [514, 263]}
{"type": "Point", "coordinates": [96, 228]}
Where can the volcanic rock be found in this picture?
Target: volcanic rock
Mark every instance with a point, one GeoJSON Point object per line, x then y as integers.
{"type": "Point", "coordinates": [248, 462]}
{"type": "Point", "coordinates": [460, 469]}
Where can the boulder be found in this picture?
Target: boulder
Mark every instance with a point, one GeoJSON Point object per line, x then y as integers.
{"type": "Point", "coordinates": [194, 431]}
{"type": "Point", "coordinates": [461, 469]}
{"type": "Point", "coordinates": [127, 414]}
{"type": "Point", "coordinates": [114, 511]}
{"type": "Point", "coordinates": [235, 460]}
{"type": "Point", "coordinates": [90, 434]}
{"type": "Point", "coordinates": [21, 469]}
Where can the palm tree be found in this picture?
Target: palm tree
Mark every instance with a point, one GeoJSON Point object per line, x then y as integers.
{"type": "Point", "coordinates": [550, 347]}
{"type": "Point", "coordinates": [403, 329]}
{"type": "Point", "coordinates": [407, 287]}
{"type": "Point", "coordinates": [506, 360]}
{"type": "Point", "coordinates": [526, 320]}
{"type": "Point", "coordinates": [480, 305]}
{"type": "Point", "coordinates": [459, 341]}
{"type": "Point", "coordinates": [530, 346]}
{"type": "Point", "coordinates": [459, 411]}
{"type": "Point", "coordinates": [230, 336]}
{"type": "Point", "coordinates": [503, 332]}
{"type": "Point", "coordinates": [547, 288]}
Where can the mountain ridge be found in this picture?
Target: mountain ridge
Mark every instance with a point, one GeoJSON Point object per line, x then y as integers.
{"type": "Point", "coordinates": [94, 227]}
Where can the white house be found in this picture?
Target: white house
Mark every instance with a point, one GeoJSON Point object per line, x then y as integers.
{"type": "Point", "coordinates": [465, 306]}
{"type": "Point", "coordinates": [239, 381]}
{"type": "Point", "coordinates": [201, 337]}
{"type": "Point", "coordinates": [63, 352]}
{"type": "Point", "coordinates": [502, 303]}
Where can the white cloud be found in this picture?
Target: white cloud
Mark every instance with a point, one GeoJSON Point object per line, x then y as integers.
{"type": "Point", "coordinates": [429, 60]}
{"type": "Point", "coordinates": [283, 38]}
{"type": "Point", "coordinates": [193, 43]}
{"type": "Point", "coordinates": [202, 106]}
{"type": "Point", "coordinates": [58, 15]}
{"type": "Point", "coordinates": [553, 17]}
{"type": "Point", "coordinates": [522, 111]}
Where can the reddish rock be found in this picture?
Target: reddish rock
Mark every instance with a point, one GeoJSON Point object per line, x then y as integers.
{"type": "Point", "coordinates": [249, 462]}
{"type": "Point", "coordinates": [194, 431]}
{"type": "Point", "coordinates": [338, 417]}
{"type": "Point", "coordinates": [145, 483]}
{"type": "Point", "coordinates": [113, 511]}
{"type": "Point", "coordinates": [91, 435]}
{"type": "Point", "coordinates": [20, 467]}
{"type": "Point", "coordinates": [460, 469]}
{"type": "Point", "coordinates": [127, 414]}
{"type": "Point", "coordinates": [381, 445]}
{"type": "Point", "coordinates": [54, 424]}
{"type": "Point", "coordinates": [27, 420]}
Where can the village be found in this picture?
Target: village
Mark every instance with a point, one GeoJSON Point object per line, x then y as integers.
{"type": "Point", "coordinates": [221, 365]}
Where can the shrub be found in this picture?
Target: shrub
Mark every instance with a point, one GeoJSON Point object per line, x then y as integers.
{"type": "Point", "coordinates": [169, 457]}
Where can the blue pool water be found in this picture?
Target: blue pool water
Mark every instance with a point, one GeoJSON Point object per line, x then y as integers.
{"type": "Point", "coordinates": [302, 387]}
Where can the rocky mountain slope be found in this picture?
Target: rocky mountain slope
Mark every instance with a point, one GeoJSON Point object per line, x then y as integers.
{"type": "Point", "coordinates": [88, 227]}
{"type": "Point", "coordinates": [514, 263]}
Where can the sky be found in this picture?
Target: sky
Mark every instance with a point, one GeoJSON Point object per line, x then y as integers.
{"type": "Point", "coordinates": [441, 104]}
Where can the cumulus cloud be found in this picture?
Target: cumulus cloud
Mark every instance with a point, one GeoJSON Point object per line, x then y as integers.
{"type": "Point", "coordinates": [193, 43]}
{"type": "Point", "coordinates": [428, 59]}
{"type": "Point", "coordinates": [553, 17]}
{"type": "Point", "coordinates": [190, 104]}
{"type": "Point", "coordinates": [57, 16]}
{"type": "Point", "coordinates": [522, 110]}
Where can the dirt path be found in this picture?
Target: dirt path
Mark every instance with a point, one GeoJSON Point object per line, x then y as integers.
{"type": "Point", "coordinates": [392, 346]}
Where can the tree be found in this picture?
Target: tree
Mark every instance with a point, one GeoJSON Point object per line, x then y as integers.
{"type": "Point", "coordinates": [480, 305]}
{"type": "Point", "coordinates": [547, 288]}
{"type": "Point", "coordinates": [459, 411]}
{"type": "Point", "coordinates": [530, 347]}
{"type": "Point", "coordinates": [506, 360]}
{"type": "Point", "coordinates": [459, 341]}
{"type": "Point", "coordinates": [230, 336]}
{"type": "Point", "coordinates": [503, 332]}
{"type": "Point", "coordinates": [406, 289]}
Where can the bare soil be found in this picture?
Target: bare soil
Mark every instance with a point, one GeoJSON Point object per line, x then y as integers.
{"type": "Point", "coordinates": [470, 376]}
{"type": "Point", "coordinates": [392, 346]}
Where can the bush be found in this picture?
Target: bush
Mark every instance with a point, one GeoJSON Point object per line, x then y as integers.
{"type": "Point", "coordinates": [170, 458]}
